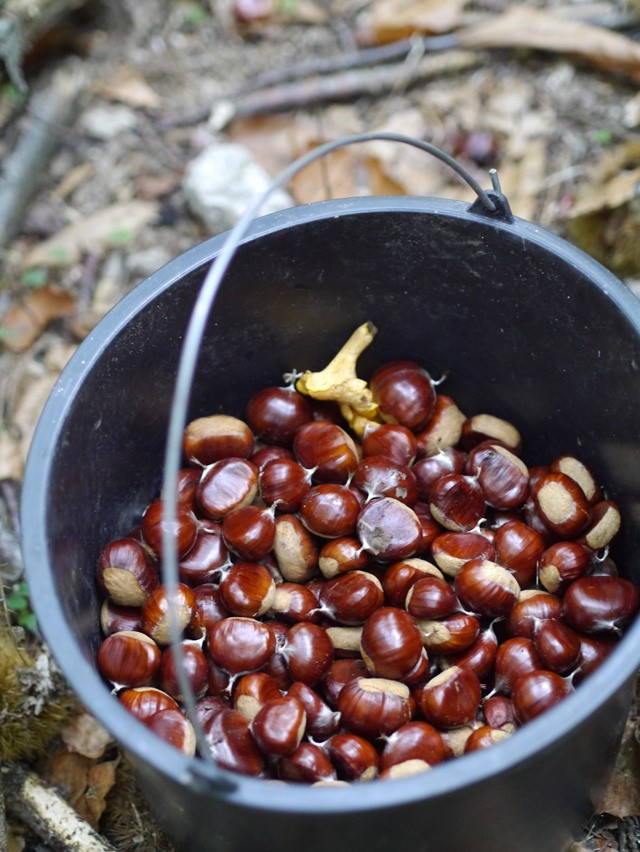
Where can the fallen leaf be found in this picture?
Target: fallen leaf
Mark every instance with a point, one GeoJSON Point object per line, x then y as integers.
{"type": "Point", "coordinates": [127, 86]}
{"type": "Point", "coordinates": [23, 322]}
{"type": "Point", "coordinates": [85, 735]}
{"type": "Point", "coordinates": [82, 781]}
{"type": "Point", "coordinates": [113, 226]}
{"type": "Point", "coordinates": [391, 20]}
{"type": "Point", "coordinates": [606, 196]}
{"type": "Point", "coordinates": [526, 27]}
{"type": "Point", "coordinates": [11, 461]}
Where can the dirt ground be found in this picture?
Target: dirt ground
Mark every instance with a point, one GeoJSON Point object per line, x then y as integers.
{"type": "Point", "coordinates": [136, 83]}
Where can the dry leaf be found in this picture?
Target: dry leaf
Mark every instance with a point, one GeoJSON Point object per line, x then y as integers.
{"type": "Point", "coordinates": [127, 86]}
{"type": "Point", "coordinates": [526, 27]}
{"type": "Point", "coordinates": [11, 461]}
{"type": "Point", "coordinates": [82, 781]}
{"type": "Point", "coordinates": [85, 735]}
{"type": "Point", "coordinates": [392, 20]}
{"type": "Point", "coordinates": [23, 323]}
{"type": "Point", "coordinates": [113, 226]}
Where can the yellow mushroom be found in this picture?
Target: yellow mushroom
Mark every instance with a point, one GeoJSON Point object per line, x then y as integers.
{"type": "Point", "coordinates": [339, 382]}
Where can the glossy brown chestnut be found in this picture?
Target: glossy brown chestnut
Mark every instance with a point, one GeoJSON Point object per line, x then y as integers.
{"type": "Point", "coordinates": [126, 573]}
{"type": "Point", "coordinates": [269, 453]}
{"type": "Point", "coordinates": [515, 657]}
{"type": "Point", "coordinates": [143, 701]}
{"type": "Point", "coordinates": [308, 653]}
{"type": "Point", "coordinates": [558, 646]}
{"type": "Point", "coordinates": [518, 548]}
{"type": "Point", "coordinates": [532, 606]}
{"type": "Point", "coordinates": [443, 430]}
{"type": "Point", "coordinates": [484, 737]}
{"type": "Point", "coordinates": [431, 597]}
{"type": "Point", "coordinates": [228, 735]}
{"type": "Point", "coordinates": [307, 764]}
{"type": "Point", "coordinates": [240, 645]}
{"type": "Point", "coordinates": [600, 604]}
{"type": "Point", "coordinates": [388, 529]}
{"type": "Point", "coordinates": [208, 706]}
{"type": "Point", "coordinates": [207, 609]}
{"type": "Point", "coordinates": [381, 476]}
{"type": "Point", "coordinates": [561, 504]}
{"type": "Point", "coordinates": [428, 470]}
{"type": "Point", "coordinates": [405, 393]}
{"type": "Point", "coordinates": [354, 758]}
{"type": "Point", "coordinates": [173, 727]}
{"type": "Point", "coordinates": [486, 588]}
{"type": "Point", "coordinates": [330, 510]}
{"type": "Point", "coordinates": [225, 485]}
{"type": "Point", "coordinates": [391, 643]}
{"type": "Point", "coordinates": [498, 711]}
{"type": "Point", "coordinates": [502, 476]}
{"type": "Point", "coordinates": [457, 502]}
{"type": "Point", "coordinates": [594, 650]}
{"type": "Point", "coordinates": [400, 576]}
{"type": "Point", "coordinates": [450, 699]}
{"type": "Point", "coordinates": [604, 525]}
{"type": "Point", "coordinates": [252, 691]}
{"type": "Point", "coordinates": [194, 664]}
{"type": "Point", "coordinates": [392, 440]}
{"type": "Point", "coordinates": [561, 564]}
{"type": "Point", "coordinates": [414, 741]}
{"type": "Point", "coordinates": [577, 470]}
{"type": "Point", "coordinates": [249, 532]}
{"type": "Point", "coordinates": [275, 414]}
{"type": "Point", "coordinates": [115, 617]}
{"type": "Point", "coordinates": [205, 559]}
{"type": "Point", "coordinates": [328, 449]}
{"type": "Point", "coordinates": [451, 635]}
{"type": "Point", "coordinates": [247, 589]}
{"type": "Point", "coordinates": [351, 598]}
{"type": "Point", "coordinates": [279, 725]}
{"type": "Point", "coordinates": [536, 692]}
{"type": "Point", "coordinates": [322, 721]}
{"type": "Point", "coordinates": [374, 706]}
{"type": "Point", "coordinates": [296, 550]}
{"type": "Point", "coordinates": [342, 554]}
{"type": "Point", "coordinates": [187, 485]}
{"type": "Point", "coordinates": [283, 483]}
{"type": "Point", "coordinates": [183, 530]}
{"type": "Point", "coordinates": [339, 673]}
{"type": "Point", "coordinates": [479, 657]}
{"type": "Point", "coordinates": [128, 658]}
{"type": "Point", "coordinates": [218, 436]}
{"type": "Point", "coordinates": [452, 549]}
{"type": "Point", "coordinates": [294, 602]}
{"type": "Point", "coordinates": [165, 607]}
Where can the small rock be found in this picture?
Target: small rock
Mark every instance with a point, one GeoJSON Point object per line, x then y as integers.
{"type": "Point", "coordinates": [106, 121]}
{"type": "Point", "coordinates": [221, 183]}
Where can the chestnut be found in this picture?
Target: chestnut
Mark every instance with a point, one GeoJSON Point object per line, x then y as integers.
{"type": "Point", "coordinates": [515, 657]}
{"type": "Point", "coordinates": [307, 652]}
{"type": "Point", "coordinates": [532, 606]}
{"type": "Point", "coordinates": [450, 635]}
{"type": "Point", "coordinates": [561, 504]}
{"type": "Point", "coordinates": [558, 646]}
{"type": "Point", "coordinates": [339, 673]}
{"type": "Point", "coordinates": [231, 744]}
{"type": "Point", "coordinates": [486, 588]}
{"type": "Point", "coordinates": [388, 529]}
{"type": "Point", "coordinates": [443, 430]}
{"type": "Point", "coordinates": [603, 526]}
{"type": "Point", "coordinates": [502, 475]}
{"type": "Point", "coordinates": [283, 483]}
{"type": "Point", "coordinates": [209, 439]}
{"type": "Point", "coordinates": [596, 604]}
{"type": "Point", "coordinates": [374, 706]}
{"type": "Point", "coordinates": [249, 532]}
{"type": "Point", "coordinates": [414, 741]}
{"type": "Point", "coordinates": [404, 393]}
{"type": "Point", "coordinates": [247, 589]}
{"type": "Point", "coordinates": [484, 737]}
{"type": "Point", "coordinates": [193, 663]}
{"type": "Point", "coordinates": [128, 658]}
{"type": "Point", "coordinates": [225, 485]}
{"type": "Point", "coordinates": [330, 510]}
{"type": "Point", "coordinates": [451, 698]}
{"type": "Point", "coordinates": [126, 573]}
{"type": "Point", "coordinates": [239, 645]}
{"type": "Point", "coordinates": [322, 721]}
{"type": "Point", "coordinates": [115, 617]}
{"type": "Point", "coordinates": [400, 576]}
{"type": "Point", "coordinates": [452, 549]}
{"type": "Point", "coordinates": [457, 502]}
{"type": "Point", "coordinates": [561, 564]}
{"type": "Point", "coordinates": [183, 529]}
{"type": "Point", "coordinates": [354, 758]}
{"type": "Point", "coordinates": [431, 597]}
{"type": "Point", "coordinates": [535, 692]}
{"type": "Point", "coordinates": [163, 608]}
{"type": "Point", "coordinates": [391, 643]}
{"type": "Point", "coordinates": [351, 598]}
{"type": "Point", "coordinates": [488, 427]}
{"type": "Point", "coordinates": [328, 449]}
{"type": "Point", "coordinates": [173, 726]}
{"type": "Point", "coordinates": [392, 440]}
{"type": "Point", "coordinates": [294, 602]}
{"type": "Point", "coordinates": [252, 691]}
{"type": "Point", "coordinates": [143, 701]}
{"type": "Point", "coordinates": [342, 554]}
{"type": "Point", "coordinates": [518, 548]}
{"type": "Point", "coordinates": [295, 549]}
{"type": "Point", "coordinates": [279, 725]}
{"type": "Point", "coordinates": [380, 476]}
{"type": "Point", "coordinates": [275, 414]}
{"type": "Point", "coordinates": [308, 763]}
{"type": "Point", "coordinates": [207, 557]}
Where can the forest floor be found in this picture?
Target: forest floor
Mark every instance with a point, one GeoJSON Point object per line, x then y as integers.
{"type": "Point", "coordinates": [129, 94]}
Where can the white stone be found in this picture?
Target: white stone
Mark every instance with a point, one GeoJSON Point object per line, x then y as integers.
{"type": "Point", "coordinates": [222, 182]}
{"type": "Point", "coordinates": [106, 121]}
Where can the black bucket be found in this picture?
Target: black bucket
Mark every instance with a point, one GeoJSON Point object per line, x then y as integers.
{"type": "Point", "coordinates": [528, 328]}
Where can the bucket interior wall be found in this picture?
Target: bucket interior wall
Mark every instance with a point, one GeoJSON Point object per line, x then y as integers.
{"type": "Point", "coordinates": [511, 314]}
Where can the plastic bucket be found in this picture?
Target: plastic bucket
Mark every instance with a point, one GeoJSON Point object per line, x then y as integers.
{"type": "Point", "coordinates": [528, 327]}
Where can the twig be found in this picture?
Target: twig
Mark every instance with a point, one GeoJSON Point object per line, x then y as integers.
{"type": "Point", "coordinates": [337, 87]}
{"type": "Point", "coordinates": [53, 106]}
{"type": "Point", "coordinates": [51, 817]}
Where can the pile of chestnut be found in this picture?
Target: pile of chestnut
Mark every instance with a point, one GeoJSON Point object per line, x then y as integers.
{"type": "Point", "coordinates": [360, 606]}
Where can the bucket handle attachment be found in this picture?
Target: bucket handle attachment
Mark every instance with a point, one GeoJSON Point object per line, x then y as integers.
{"type": "Point", "coordinates": [206, 773]}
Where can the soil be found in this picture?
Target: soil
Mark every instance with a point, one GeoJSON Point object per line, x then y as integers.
{"type": "Point", "coordinates": [546, 120]}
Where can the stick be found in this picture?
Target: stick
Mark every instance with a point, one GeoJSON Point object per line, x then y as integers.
{"type": "Point", "coordinates": [338, 87]}
{"type": "Point", "coordinates": [52, 107]}
{"type": "Point", "coordinates": [46, 813]}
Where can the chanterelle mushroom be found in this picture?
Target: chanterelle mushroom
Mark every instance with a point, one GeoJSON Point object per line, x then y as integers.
{"type": "Point", "coordinates": [339, 382]}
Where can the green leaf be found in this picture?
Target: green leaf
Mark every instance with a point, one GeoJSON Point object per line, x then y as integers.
{"type": "Point", "coordinates": [36, 277]}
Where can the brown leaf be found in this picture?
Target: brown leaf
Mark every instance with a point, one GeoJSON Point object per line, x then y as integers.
{"type": "Point", "coordinates": [127, 86]}
{"type": "Point", "coordinates": [24, 322]}
{"type": "Point", "coordinates": [85, 735]}
{"type": "Point", "coordinates": [112, 226]}
{"type": "Point", "coordinates": [392, 20]}
{"type": "Point", "coordinates": [526, 27]}
{"type": "Point", "coordinates": [82, 781]}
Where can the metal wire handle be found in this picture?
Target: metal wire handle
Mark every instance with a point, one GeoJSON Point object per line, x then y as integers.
{"type": "Point", "coordinates": [184, 382]}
